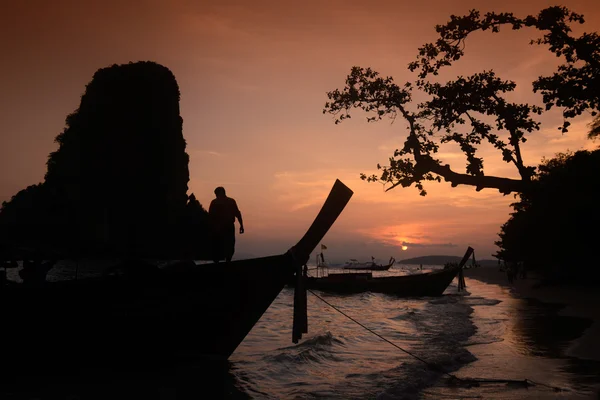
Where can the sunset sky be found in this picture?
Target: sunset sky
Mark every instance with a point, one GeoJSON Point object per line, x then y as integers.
{"type": "Point", "coordinates": [253, 77]}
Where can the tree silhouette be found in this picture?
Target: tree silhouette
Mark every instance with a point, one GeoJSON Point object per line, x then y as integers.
{"type": "Point", "coordinates": [473, 109]}
{"type": "Point", "coordinates": [34, 219]}
{"type": "Point", "coordinates": [594, 128]}
{"type": "Point", "coordinates": [118, 181]}
{"type": "Point", "coordinates": [554, 227]}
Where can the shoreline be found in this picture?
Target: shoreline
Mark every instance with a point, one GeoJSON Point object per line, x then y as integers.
{"type": "Point", "coordinates": [578, 301]}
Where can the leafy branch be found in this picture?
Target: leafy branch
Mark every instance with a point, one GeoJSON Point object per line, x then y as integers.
{"type": "Point", "coordinates": [473, 109]}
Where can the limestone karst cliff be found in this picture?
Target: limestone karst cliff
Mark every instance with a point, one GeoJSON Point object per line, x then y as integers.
{"type": "Point", "coordinates": [117, 184]}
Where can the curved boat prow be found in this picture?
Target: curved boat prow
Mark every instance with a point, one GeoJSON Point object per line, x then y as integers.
{"type": "Point", "coordinates": [335, 203]}
{"type": "Point", "coordinates": [466, 257]}
{"type": "Point", "coordinates": [181, 312]}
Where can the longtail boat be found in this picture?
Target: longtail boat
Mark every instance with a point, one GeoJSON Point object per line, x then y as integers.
{"type": "Point", "coordinates": [143, 315]}
{"type": "Point", "coordinates": [370, 266]}
{"type": "Point", "coordinates": [426, 284]}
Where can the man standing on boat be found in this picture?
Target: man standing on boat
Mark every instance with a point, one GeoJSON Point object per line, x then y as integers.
{"type": "Point", "coordinates": [223, 211]}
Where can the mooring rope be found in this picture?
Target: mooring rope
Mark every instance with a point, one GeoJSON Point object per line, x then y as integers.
{"type": "Point", "coordinates": [432, 366]}
{"type": "Point", "coordinates": [468, 382]}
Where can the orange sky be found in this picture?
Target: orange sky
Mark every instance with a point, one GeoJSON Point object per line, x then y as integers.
{"type": "Point", "coordinates": [253, 77]}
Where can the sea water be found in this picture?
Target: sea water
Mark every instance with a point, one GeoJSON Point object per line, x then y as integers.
{"type": "Point", "coordinates": [485, 333]}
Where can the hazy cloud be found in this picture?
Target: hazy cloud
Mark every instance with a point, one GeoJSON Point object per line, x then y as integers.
{"type": "Point", "coordinates": [425, 245]}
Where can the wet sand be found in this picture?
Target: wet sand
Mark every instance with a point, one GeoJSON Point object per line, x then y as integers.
{"type": "Point", "coordinates": [575, 301]}
{"type": "Point", "coordinates": [578, 301]}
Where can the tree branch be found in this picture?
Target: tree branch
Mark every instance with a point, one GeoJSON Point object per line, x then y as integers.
{"type": "Point", "coordinates": [504, 185]}
{"type": "Point", "coordinates": [424, 162]}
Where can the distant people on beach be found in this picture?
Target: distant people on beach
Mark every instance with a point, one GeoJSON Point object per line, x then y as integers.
{"type": "Point", "coordinates": [9, 264]}
{"type": "Point", "coordinates": [511, 272]}
{"type": "Point", "coordinates": [222, 212]}
{"type": "Point", "coordinates": [523, 273]}
{"type": "Point", "coordinates": [34, 272]}
{"type": "Point", "coordinates": [6, 264]}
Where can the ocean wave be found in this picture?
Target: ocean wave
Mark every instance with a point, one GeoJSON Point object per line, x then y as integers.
{"type": "Point", "coordinates": [481, 301]}
{"type": "Point", "coordinates": [316, 349]}
{"type": "Point", "coordinates": [406, 315]}
{"type": "Point", "coordinates": [416, 375]}
{"type": "Point", "coordinates": [349, 362]}
{"type": "Point", "coordinates": [323, 340]}
{"type": "Point", "coordinates": [302, 356]}
{"type": "Point", "coordinates": [443, 328]}
{"type": "Point", "coordinates": [478, 341]}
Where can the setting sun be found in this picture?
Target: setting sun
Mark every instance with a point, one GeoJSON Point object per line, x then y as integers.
{"type": "Point", "coordinates": [404, 247]}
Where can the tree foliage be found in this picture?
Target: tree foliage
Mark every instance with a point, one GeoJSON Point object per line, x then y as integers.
{"type": "Point", "coordinates": [473, 109]}
{"type": "Point", "coordinates": [594, 128]}
{"type": "Point", "coordinates": [554, 227]}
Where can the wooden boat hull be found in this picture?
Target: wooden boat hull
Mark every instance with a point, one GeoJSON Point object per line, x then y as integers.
{"type": "Point", "coordinates": [427, 284]}
{"type": "Point", "coordinates": [371, 268]}
{"type": "Point", "coordinates": [150, 316]}
{"type": "Point", "coordinates": [185, 312]}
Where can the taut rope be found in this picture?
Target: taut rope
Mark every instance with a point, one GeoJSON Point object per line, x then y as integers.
{"type": "Point", "coordinates": [467, 382]}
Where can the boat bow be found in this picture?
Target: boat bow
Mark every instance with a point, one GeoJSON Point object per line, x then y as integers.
{"type": "Point", "coordinates": [335, 203]}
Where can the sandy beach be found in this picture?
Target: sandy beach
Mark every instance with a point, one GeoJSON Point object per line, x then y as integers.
{"type": "Point", "coordinates": [578, 301]}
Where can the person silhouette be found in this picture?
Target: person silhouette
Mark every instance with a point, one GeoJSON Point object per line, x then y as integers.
{"type": "Point", "coordinates": [222, 213]}
{"type": "Point", "coordinates": [34, 271]}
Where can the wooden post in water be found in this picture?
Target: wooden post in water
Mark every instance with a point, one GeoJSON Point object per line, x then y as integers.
{"type": "Point", "coordinates": [300, 324]}
{"type": "Point", "coordinates": [461, 277]}
{"type": "Point", "coordinates": [334, 204]}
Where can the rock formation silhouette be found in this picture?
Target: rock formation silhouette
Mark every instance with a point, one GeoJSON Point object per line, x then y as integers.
{"type": "Point", "coordinates": [117, 184]}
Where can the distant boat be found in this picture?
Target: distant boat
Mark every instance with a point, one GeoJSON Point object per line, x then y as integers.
{"type": "Point", "coordinates": [140, 313]}
{"type": "Point", "coordinates": [320, 260]}
{"type": "Point", "coordinates": [369, 266]}
{"type": "Point", "coordinates": [417, 285]}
